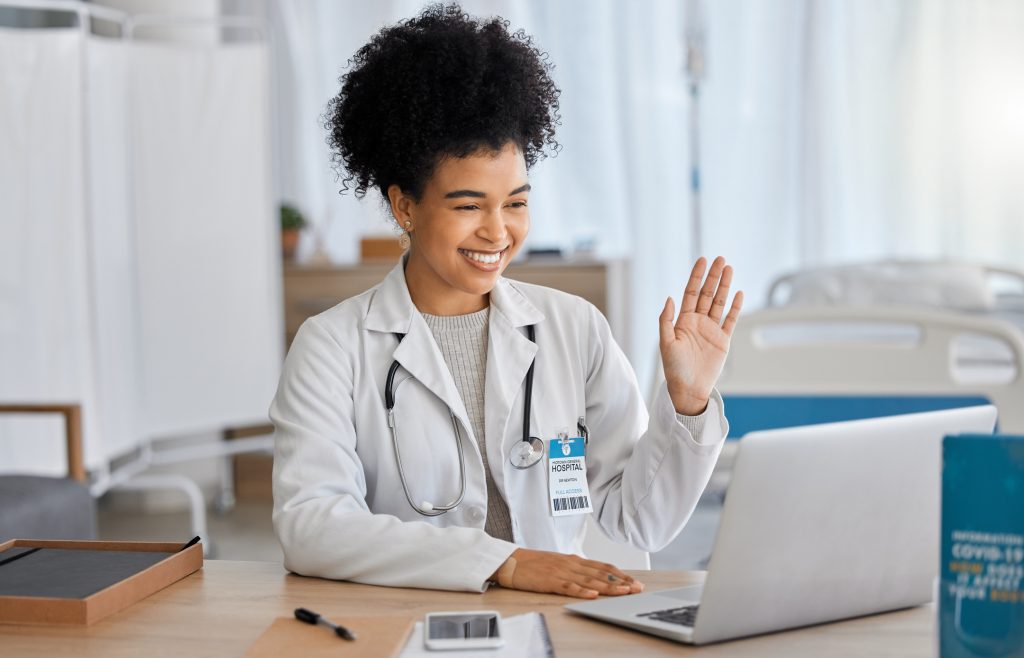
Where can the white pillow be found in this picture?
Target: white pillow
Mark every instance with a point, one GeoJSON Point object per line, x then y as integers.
{"type": "Point", "coordinates": [942, 285]}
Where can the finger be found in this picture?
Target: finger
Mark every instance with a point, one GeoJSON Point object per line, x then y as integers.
{"type": "Point", "coordinates": [570, 588]}
{"type": "Point", "coordinates": [734, 314]}
{"type": "Point", "coordinates": [665, 322]}
{"type": "Point", "coordinates": [707, 292]}
{"type": "Point", "coordinates": [605, 571]}
{"type": "Point", "coordinates": [718, 304]}
{"type": "Point", "coordinates": [693, 286]}
{"type": "Point", "coordinates": [618, 588]}
{"type": "Point", "coordinates": [599, 578]}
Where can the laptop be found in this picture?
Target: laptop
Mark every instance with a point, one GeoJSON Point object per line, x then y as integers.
{"type": "Point", "coordinates": [820, 523]}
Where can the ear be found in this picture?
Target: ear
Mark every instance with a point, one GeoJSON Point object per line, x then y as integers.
{"type": "Point", "coordinates": [402, 205]}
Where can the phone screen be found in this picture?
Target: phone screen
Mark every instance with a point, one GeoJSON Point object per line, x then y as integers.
{"type": "Point", "coordinates": [462, 627]}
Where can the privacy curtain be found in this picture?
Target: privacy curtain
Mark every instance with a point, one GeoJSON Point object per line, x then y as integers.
{"type": "Point", "coordinates": [206, 244]}
{"type": "Point", "coordinates": [47, 335]}
{"type": "Point", "coordinates": [139, 267]}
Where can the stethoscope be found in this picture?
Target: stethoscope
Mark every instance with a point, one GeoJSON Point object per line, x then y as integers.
{"type": "Point", "coordinates": [524, 454]}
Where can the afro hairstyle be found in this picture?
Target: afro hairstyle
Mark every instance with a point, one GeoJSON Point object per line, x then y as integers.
{"type": "Point", "coordinates": [442, 84]}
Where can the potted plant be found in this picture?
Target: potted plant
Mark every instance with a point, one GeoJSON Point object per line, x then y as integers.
{"type": "Point", "coordinates": [292, 223]}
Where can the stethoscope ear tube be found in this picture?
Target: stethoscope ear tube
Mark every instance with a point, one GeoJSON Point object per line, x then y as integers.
{"type": "Point", "coordinates": [389, 393]}
{"type": "Point", "coordinates": [530, 449]}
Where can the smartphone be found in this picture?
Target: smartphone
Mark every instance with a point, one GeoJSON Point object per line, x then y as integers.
{"type": "Point", "coordinates": [479, 629]}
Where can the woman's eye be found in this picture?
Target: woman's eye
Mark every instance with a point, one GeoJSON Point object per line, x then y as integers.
{"type": "Point", "coordinates": [518, 204]}
{"type": "Point", "coordinates": [469, 207]}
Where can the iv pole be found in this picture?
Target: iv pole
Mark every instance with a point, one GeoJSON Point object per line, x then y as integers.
{"type": "Point", "coordinates": [695, 34]}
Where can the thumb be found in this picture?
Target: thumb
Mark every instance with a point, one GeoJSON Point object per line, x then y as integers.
{"type": "Point", "coordinates": [665, 325]}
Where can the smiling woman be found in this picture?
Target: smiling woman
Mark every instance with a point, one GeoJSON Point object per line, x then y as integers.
{"type": "Point", "coordinates": [471, 220]}
{"type": "Point", "coordinates": [422, 389]}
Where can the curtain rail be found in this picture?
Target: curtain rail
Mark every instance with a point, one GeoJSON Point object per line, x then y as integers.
{"type": "Point", "coordinates": [81, 9]}
{"type": "Point", "coordinates": [130, 23]}
{"type": "Point", "coordinates": [136, 21]}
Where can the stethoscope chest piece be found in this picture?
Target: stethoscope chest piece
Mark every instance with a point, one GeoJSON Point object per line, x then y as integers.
{"type": "Point", "coordinates": [525, 454]}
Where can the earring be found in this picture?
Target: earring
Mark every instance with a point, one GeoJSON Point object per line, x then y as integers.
{"type": "Point", "coordinates": [405, 241]}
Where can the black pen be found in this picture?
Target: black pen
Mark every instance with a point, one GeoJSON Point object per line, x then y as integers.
{"type": "Point", "coordinates": [192, 542]}
{"type": "Point", "coordinates": [310, 617]}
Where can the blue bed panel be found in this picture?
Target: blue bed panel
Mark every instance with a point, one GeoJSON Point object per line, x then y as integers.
{"type": "Point", "coordinates": [748, 413]}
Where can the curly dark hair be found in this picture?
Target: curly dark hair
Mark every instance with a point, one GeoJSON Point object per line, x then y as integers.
{"type": "Point", "coordinates": [442, 84]}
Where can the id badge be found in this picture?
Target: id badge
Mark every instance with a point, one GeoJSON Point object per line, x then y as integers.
{"type": "Point", "coordinates": [567, 477]}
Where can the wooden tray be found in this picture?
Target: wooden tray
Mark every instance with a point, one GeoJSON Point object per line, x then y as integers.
{"type": "Point", "coordinates": [107, 601]}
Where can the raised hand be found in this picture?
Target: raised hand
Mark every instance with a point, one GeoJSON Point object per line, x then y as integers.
{"type": "Point", "coordinates": [694, 347]}
{"type": "Point", "coordinates": [558, 573]}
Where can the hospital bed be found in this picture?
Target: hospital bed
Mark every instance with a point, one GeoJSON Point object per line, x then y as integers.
{"type": "Point", "coordinates": [804, 364]}
{"type": "Point", "coordinates": [877, 352]}
{"type": "Point", "coordinates": [850, 316]}
{"type": "Point", "coordinates": [800, 365]}
{"type": "Point", "coordinates": [977, 290]}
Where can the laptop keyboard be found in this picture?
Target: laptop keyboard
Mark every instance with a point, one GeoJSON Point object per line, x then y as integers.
{"type": "Point", "coordinates": [684, 616]}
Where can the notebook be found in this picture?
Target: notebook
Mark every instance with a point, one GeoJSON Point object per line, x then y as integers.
{"type": "Point", "coordinates": [66, 573]}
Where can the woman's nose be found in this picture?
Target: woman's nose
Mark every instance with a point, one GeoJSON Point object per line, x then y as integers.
{"type": "Point", "coordinates": [493, 228]}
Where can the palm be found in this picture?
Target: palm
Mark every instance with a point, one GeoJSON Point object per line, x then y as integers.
{"type": "Point", "coordinates": [694, 347]}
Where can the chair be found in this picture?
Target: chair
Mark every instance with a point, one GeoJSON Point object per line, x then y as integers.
{"type": "Point", "coordinates": [37, 507]}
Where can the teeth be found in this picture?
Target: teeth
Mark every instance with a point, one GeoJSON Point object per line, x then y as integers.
{"type": "Point", "coordinates": [489, 259]}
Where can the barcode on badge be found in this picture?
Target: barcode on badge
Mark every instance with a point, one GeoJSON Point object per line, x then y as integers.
{"type": "Point", "coordinates": [570, 503]}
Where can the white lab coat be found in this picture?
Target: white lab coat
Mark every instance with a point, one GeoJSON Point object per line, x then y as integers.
{"type": "Point", "coordinates": [339, 507]}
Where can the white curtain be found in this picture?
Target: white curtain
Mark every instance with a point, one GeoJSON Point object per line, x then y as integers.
{"type": "Point", "coordinates": [115, 286]}
{"type": "Point", "coordinates": [867, 130]}
{"type": "Point", "coordinates": [139, 262]}
{"type": "Point", "coordinates": [831, 131]}
{"type": "Point", "coordinates": [209, 271]}
{"type": "Point", "coordinates": [46, 333]}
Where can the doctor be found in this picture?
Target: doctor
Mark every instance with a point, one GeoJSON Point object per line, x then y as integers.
{"type": "Point", "coordinates": [414, 421]}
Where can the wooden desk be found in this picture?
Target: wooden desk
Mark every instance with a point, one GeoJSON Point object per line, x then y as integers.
{"type": "Point", "coordinates": [222, 609]}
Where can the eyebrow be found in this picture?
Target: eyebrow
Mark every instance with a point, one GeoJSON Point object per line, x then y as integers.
{"type": "Point", "coordinates": [480, 195]}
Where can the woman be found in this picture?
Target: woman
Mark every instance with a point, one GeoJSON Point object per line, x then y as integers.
{"type": "Point", "coordinates": [444, 114]}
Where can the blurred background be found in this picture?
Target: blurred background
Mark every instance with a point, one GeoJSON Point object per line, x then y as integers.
{"type": "Point", "coordinates": [168, 217]}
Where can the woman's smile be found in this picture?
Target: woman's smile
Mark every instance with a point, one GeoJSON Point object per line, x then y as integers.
{"type": "Point", "coordinates": [487, 261]}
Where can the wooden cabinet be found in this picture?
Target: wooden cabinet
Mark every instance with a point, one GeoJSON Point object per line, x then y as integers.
{"type": "Point", "coordinates": [309, 290]}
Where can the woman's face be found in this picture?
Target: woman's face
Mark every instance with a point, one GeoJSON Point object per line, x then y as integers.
{"type": "Point", "coordinates": [470, 221]}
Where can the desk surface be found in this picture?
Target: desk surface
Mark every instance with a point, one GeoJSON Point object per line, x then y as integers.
{"type": "Point", "coordinates": [222, 609]}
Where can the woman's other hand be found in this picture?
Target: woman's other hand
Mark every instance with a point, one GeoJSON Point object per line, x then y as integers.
{"type": "Point", "coordinates": [558, 573]}
{"type": "Point", "coordinates": [694, 347]}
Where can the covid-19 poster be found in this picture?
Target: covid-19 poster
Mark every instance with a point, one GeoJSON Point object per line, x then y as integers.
{"type": "Point", "coordinates": [981, 597]}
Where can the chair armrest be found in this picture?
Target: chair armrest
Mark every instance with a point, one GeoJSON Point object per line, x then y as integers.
{"type": "Point", "coordinates": [72, 430]}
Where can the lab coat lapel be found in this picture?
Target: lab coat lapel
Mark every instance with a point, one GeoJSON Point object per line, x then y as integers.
{"type": "Point", "coordinates": [509, 355]}
{"type": "Point", "coordinates": [419, 354]}
{"type": "Point", "coordinates": [391, 310]}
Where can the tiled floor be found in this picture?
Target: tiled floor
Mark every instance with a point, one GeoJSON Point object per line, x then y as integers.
{"type": "Point", "coordinates": [245, 533]}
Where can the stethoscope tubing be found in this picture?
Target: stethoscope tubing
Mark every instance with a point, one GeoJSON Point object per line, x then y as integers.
{"type": "Point", "coordinates": [426, 508]}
